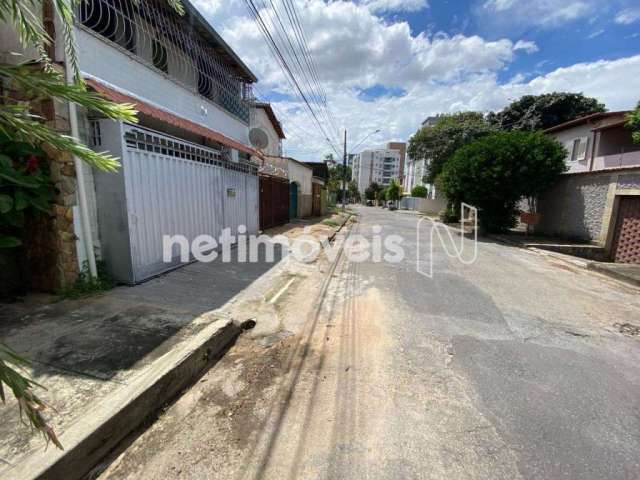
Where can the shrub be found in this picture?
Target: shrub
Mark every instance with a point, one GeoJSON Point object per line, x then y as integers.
{"type": "Point", "coordinates": [419, 191]}
{"type": "Point", "coordinates": [495, 172]}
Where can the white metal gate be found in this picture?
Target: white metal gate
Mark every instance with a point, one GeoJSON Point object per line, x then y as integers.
{"type": "Point", "coordinates": [173, 187]}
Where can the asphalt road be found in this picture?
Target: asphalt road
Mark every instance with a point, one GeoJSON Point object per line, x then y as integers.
{"type": "Point", "coordinates": [507, 367]}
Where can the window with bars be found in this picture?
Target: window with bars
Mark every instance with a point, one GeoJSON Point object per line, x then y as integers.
{"type": "Point", "coordinates": [167, 42]}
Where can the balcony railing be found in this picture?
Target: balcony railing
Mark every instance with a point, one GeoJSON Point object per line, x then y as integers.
{"type": "Point", "coordinates": [626, 159]}
{"type": "Point", "coordinates": [170, 44]}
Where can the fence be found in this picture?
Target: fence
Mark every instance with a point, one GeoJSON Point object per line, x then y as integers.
{"type": "Point", "coordinates": [274, 201]}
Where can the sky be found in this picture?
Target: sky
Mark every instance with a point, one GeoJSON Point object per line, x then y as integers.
{"type": "Point", "coordinates": [388, 64]}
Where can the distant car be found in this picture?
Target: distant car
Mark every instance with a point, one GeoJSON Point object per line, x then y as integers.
{"type": "Point", "coordinates": [369, 203]}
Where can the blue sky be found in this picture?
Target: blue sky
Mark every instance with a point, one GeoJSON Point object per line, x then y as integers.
{"type": "Point", "coordinates": [388, 64]}
{"type": "Point", "coordinates": [585, 38]}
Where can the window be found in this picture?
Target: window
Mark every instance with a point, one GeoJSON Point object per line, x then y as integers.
{"type": "Point", "coordinates": [112, 19]}
{"type": "Point", "coordinates": [579, 149]}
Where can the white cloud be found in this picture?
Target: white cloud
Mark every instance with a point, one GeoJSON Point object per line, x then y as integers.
{"type": "Point", "coordinates": [354, 49]}
{"type": "Point", "coordinates": [399, 117]}
{"type": "Point", "coordinates": [628, 16]}
{"type": "Point", "coordinates": [527, 46]}
{"type": "Point", "coordinates": [395, 5]}
{"type": "Point", "coordinates": [545, 13]}
{"type": "Point", "coordinates": [595, 34]}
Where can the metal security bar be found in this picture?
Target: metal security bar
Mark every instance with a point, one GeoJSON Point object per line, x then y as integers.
{"type": "Point", "coordinates": [147, 140]}
{"type": "Point", "coordinates": [171, 44]}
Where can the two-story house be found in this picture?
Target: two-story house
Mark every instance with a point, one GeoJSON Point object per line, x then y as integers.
{"type": "Point", "coordinates": [598, 199]}
{"type": "Point", "coordinates": [186, 165]}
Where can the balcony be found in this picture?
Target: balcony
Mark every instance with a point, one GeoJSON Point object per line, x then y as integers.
{"type": "Point", "coordinates": [176, 48]}
{"type": "Point", "coordinates": [618, 160]}
{"type": "Point", "coordinates": [616, 149]}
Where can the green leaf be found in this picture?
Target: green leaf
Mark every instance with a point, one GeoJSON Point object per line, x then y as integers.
{"type": "Point", "coordinates": [6, 203]}
{"type": "Point", "coordinates": [41, 203]}
{"type": "Point", "coordinates": [18, 179]}
{"type": "Point", "coordinates": [20, 200]}
{"type": "Point", "coordinates": [5, 162]}
{"type": "Point", "coordinates": [7, 241]}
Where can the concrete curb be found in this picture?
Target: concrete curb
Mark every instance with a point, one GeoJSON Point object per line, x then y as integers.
{"type": "Point", "coordinates": [107, 424]}
{"type": "Point", "coordinates": [349, 215]}
{"type": "Point", "coordinates": [593, 266]}
{"type": "Point", "coordinates": [597, 267]}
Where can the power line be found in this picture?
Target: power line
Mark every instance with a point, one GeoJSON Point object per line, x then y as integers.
{"type": "Point", "coordinates": [312, 96]}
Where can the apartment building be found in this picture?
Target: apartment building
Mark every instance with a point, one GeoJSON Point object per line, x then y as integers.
{"type": "Point", "coordinates": [376, 166]}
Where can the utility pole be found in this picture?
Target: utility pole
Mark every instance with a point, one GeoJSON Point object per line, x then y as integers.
{"type": "Point", "coordinates": [344, 172]}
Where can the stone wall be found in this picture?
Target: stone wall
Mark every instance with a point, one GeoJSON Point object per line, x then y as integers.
{"type": "Point", "coordinates": [579, 206]}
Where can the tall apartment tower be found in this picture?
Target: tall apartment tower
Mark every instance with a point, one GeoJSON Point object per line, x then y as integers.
{"type": "Point", "coordinates": [379, 166]}
{"type": "Point", "coordinates": [402, 148]}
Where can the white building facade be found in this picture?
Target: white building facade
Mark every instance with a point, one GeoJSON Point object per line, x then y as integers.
{"type": "Point", "coordinates": [376, 166]}
{"type": "Point", "coordinates": [263, 117]}
{"type": "Point", "coordinates": [186, 165]}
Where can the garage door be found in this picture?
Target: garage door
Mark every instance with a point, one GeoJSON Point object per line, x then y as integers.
{"type": "Point", "coordinates": [166, 186]}
{"type": "Point", "coordinates": [626, 240]}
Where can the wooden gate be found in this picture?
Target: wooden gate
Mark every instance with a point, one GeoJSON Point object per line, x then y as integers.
{"type": "Point", "coordinates": [316, 204]}
{"type": "Point", "coordinates": [626, 240]}
{"type": "Point", "coordinates": [274, 201]}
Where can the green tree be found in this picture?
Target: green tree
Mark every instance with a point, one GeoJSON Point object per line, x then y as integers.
{"type": "Point", "coordinates": [495, 172]}
{"type": "Point", "coordinates": [633, 123]}
{"type": "Point", "coordinates": [539, 112]}
{"type": "Point", "coordinates": [372, 191]}
{"type": "Point", "coordinates": [353, 192]}
{"type": "Point", "coordinates": [419, 191]}
{"type": "Point", "coordinates": [439, 142]}
{"type": "Point", "coordinates": [335, 178]}
{"type": "Point", "coordinates": [393, 191]}
{"type": "Point", "coordinates": [23, 86]}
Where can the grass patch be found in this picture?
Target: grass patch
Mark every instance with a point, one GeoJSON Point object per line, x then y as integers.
{"type": "Point", "coordinates": [330, 223]}
{"type": "Point", "coordinates": [85, 286]}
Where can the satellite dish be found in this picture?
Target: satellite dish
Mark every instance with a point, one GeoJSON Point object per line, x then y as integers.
{"type": "Point", "coordinates": [258, 138]}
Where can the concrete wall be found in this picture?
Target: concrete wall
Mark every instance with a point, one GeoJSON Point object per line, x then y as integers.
{"type": "Point", "coordinates": [582, 206]}
{"type": "Point", "coordinates": [303, 176]}
{"type": "Point", "coordinates": [567, 137]}
{"type": "Point", "coordinates": [423, 205]}
{"type": "Point", "coordinates": [259, 118]}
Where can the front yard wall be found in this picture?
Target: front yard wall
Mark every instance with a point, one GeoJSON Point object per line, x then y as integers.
{"type": "Point", "coordinates": [580, 206]}
{"type": "Point", "coordinates": [49, 260]}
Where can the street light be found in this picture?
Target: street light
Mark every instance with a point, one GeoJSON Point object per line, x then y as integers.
{"type": "Point", "coordinates": [364, 139]}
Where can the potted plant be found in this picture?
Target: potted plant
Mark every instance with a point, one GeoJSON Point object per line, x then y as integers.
{"type": "Point", "coordinates": [532, 217]}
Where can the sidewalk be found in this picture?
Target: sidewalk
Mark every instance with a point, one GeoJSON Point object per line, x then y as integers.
{"type": "Point", "coordinates": [110, 361]}
{"type": "Point", "coordinates": [591, 257]}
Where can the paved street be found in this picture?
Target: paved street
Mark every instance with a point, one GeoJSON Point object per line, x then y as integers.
{"type": "Point", "coordinates": [507, 368]}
